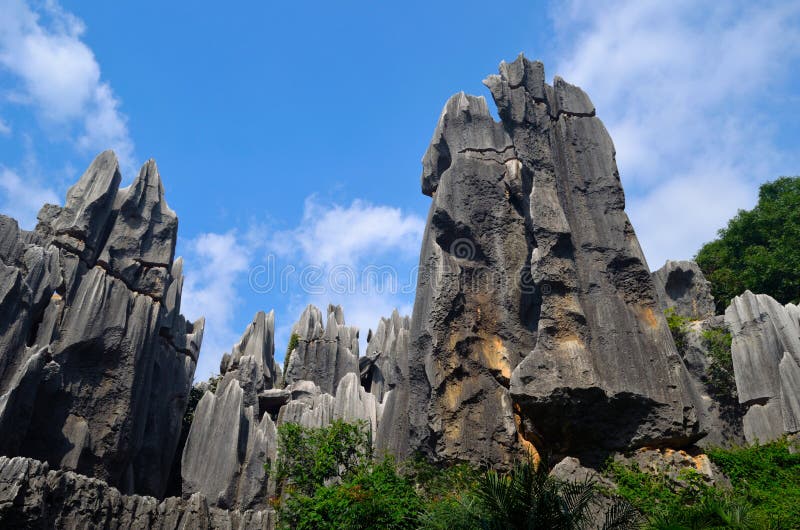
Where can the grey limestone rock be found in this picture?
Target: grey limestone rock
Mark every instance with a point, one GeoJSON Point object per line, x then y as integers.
{"type": "Point", "coordinates": [766, 354]}
{"type": "Point", "coordinates": [681, 285]}
{"type": "Point", "coordinates": [325, 352]}
{"type": "Point", "coordinates": [79, 301]}
{"type": "Point", "coordinates": [34, 496]}
{"type": "Point", "coordinates": [536, 322]}
{"type": "Point", "coordinates": [232, 437]}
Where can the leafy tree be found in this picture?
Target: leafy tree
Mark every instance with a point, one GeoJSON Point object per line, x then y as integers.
{"type": "Point", "coordinates": [758, 250]}
{"type": "Point", "coordinates": [372, 497]}
{"type": "Point", "coordinates": [310, 457]}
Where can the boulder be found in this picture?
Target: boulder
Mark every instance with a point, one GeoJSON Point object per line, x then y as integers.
{"type": "Point", "coordinates": [681, 285]}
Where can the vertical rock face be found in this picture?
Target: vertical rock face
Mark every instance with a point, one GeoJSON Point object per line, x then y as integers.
{"type": "Point", "coordinates": [682, 286]}
{"type": "Point", "coordinates": [231, 438]}
{"type": "Point", "coordinates": [535, 318]}
{"type": "Point", "coordinates": [325, 352]}
{"type": "Point", "coordinates": [766, 356]}
{"type": "Point", "coordinates": [94, 353]}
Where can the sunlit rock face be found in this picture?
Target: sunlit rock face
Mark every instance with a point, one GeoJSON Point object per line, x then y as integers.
{"type": "Point", "coordinates": [766, 362]}
{"type": "Point", "coordinates": [682, 287]}
{"type": "Point", "coordinates": [96, 361]}
{"type": "Point", "coordinates": [536, 322]}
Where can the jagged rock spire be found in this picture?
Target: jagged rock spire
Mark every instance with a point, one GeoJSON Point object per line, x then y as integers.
{"type": "Point", "coordinates": [324, 354]}
{"type": "Point", "coordinates": [98, 366]}
{"type": "Point", "coordinates": [535, 320]}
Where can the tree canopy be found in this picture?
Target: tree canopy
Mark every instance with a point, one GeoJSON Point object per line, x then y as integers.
{"type": "Point", "coordinates": [759, 250]}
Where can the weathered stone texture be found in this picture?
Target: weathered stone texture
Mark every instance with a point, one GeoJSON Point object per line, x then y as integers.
{"type": "Point", "coordinates": [682, 286]}
{"type": "Point", "coordinates": [94, 354]}
{"type": "Point", "coordinates": [536, 319]}
{"type": "Point", "coordinates": [33, 496]}
{"type": "Point", "coordinates": [766, 355]}
{"type": "Point", "coordinates": [326, 350]}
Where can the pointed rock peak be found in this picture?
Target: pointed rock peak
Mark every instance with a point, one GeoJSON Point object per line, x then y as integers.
{"type": "Point", "coordinates": [570, 99]}
{"type": "Point", "coordinates": [524, 73]}
{"type": "Point", "coordinates": [258, 341]}
{"type": "Point", "coordinates": [81, 224]}
{"type": "Point", "coordinates": [149, 188]}
{"type": "Point", "coordinates": [465, 125]}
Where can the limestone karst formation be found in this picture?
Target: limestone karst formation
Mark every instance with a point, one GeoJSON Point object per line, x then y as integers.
{"type": "Point", "coordinates": [536, 322]}
{"type": "Point", "coordinates": [96, 360]}
{"type": "Point", "coordinates": [537, 327]}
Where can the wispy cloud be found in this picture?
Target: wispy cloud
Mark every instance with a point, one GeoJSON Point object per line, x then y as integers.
{"type": "Point", "coordinates": [687, 91]}
{"type": "Point", "coordinates": [213, 265]}
{"type": "Point", "coordinates": [359, 256]}
{"type": "Point", "coordinates": [362, 257]}
{"type": "Point", "coordinates": [22, 198]}
{"type": "Point", "coordinates": [57, 74]}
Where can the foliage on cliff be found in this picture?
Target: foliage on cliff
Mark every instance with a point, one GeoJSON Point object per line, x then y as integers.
{"type": "Point", "coordinates": [758, 249]}
{"type": "Point", "coordinates": [764, 491]}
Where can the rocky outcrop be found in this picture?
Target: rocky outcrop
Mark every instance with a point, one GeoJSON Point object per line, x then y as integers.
{"type": "Point", "coordinates": [718, 408]}
{"type": "Point", "coordinates": [536, 319]}
{"type": "Point", "coordinates": [231, 438]}
{"type": "Point", "coordinates": [682, 286]}
{"type": "Point", "coordinates": [96, 361]}
{"type": "Point", "coordinates": [325, 351]}
{"type": "Point", "coordinates": [766, 359]}
{"type": "Point", "coordinates": [34, 496]}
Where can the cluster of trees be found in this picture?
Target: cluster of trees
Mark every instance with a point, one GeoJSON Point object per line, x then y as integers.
{"type": "Point", "coordinates": [759, 249]}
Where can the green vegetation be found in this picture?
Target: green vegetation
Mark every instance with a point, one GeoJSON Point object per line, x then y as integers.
{"type": "Point", "coordinates": [294, 340]}
{"type": "Point", "coordinates": [328, 479]}
{"type": "Point", "coordinates": [308, 457]}
{"type": "Point", "coordinates": [679, 327]}
{"type": "Point", "coordinates": [764, 491]}
{"type": "Point", "coordinates": [720, 372]}
{"type": "Point", "coordinates": [758, 249]}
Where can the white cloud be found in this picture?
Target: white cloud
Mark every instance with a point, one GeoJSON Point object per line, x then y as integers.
{"type": "Point", "coordinates": [331, 234]}
{"type": "Point", "coordinates": [684, 90]}
{"type": "Point", "coordinates": [5, 128]}
{"type": "Point", "coordinates": [213, 264]}
{"type": "Point", "coordinates": [363, 252]}
{"type": "Point", "coordinates": [22, 199]}
{"type": "Point", "coordinates": [59, 76]}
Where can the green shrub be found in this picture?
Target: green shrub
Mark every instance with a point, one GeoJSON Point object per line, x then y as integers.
{"type": "Point", "coordinates": [764, 491]}
{"type": "Point", "coordinates": [758, 249]}
{"type": "Point", "coordinates": [720, 373]}
{"type": "Point", "coordinates": [768, 476]}
{"type": "Point", "coordinates": [373, 497]}
{"type": "Point", "coordinates": [679, 327]}
{"type": "Point", "coordinates": [308, 457]}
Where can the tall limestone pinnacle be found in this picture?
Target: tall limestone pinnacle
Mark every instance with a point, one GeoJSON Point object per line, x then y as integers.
{"type": "Point", "coordinates": [96, 361]}
{"type": "Point", "coordinates": [536, 323]}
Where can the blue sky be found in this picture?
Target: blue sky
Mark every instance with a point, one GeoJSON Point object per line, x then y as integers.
{"type": "Point", "coordinates": [289, 135]}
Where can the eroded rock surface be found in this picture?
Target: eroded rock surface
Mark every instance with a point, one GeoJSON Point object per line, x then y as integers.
{"type": "Point", "coordinates": [766, 356]}
{"type": "Point", "coordinates": [326, 349]}
{"type": "Point", "coordinates": [536, 319]}
{"type": "Point", "coordinates": [682, 286]}
{"type": "Point", "coordinates": [96, 361]}
{"type": "Point", "coordinates": [231, 438]}
{"type": "Point", "coordinates": [34, 496]}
